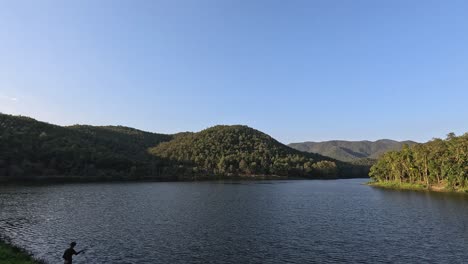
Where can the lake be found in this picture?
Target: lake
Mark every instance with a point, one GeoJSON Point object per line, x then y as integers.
{"type": "Point", "coordinates": [297, 221]}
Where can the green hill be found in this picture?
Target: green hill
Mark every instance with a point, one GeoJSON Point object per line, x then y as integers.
{"type": "Point", "coordinates": [30, 148]}
{"type": "Point", "coordinates": [241, 150]}
{"type": "Point", "coordinates": [351, 150]}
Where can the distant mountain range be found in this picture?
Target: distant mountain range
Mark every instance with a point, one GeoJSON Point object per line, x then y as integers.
{"type": "Point", "coordinates": [351, 150]}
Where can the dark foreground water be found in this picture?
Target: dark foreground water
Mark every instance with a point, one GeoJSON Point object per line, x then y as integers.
{"type": "Point", "coordinates": [240, 222]}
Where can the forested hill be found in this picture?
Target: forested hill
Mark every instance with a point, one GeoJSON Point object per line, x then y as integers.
{"type": "Point", "coordinates": [31, 149]}
{"type": "Point", "coordinates": [120, 139]}
{"type": "Point", "coordinates": [241, 150]}
{"type": "Point", "coordinates": [351, 150]}
{"type": "Point", "coordinates": [438, 164]}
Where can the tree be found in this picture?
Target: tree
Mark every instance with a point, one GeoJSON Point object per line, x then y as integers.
{"type": "Point", "coordinates": [435, 162]}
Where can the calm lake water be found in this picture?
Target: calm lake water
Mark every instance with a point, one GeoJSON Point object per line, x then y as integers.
{"type": "Point", "coordinates": [236, 222]}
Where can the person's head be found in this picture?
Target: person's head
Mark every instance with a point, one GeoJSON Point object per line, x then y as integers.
{"type": "Point", "coordinates": [72, 244]}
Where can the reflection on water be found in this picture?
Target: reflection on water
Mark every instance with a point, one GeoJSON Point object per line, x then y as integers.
{"type": "Point", "coordinates": [236, 222]}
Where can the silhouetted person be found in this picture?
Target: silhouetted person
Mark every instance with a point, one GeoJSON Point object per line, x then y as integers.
{"type": "Point", "coordinates": [68, 255]}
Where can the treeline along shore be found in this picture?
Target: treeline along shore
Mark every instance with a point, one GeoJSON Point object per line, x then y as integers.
{"type": "Point", "coordinates": [39, 151]}
{"type": "Point", "coordinates": [439, 165]}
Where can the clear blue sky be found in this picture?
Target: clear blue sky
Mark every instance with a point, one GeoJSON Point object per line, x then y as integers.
{"type": "Point", "coordinates": [297, 70]}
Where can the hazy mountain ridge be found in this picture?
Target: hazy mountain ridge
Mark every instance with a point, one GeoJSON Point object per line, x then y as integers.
{"type": "Point", "coordinates": [351, 150]}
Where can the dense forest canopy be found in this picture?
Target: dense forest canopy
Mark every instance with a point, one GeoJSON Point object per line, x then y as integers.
{"type": "Point", "coordinates": [33, 149]}
{"type": "Point", "coordinates": [439, 163]}
{"type": "Point", "coordinates": [241, 150]}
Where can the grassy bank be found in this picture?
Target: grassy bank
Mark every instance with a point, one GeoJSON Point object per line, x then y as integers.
{"type": "Point", "coordinates": [10, 254]}
{"type": "Point", "coordinates": [415, 187]}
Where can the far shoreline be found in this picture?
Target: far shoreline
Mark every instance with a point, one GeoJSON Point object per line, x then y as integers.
{"type": "Point", "coordinates": [415, 187]}
{"type": "Point", "coordinates": [40, 180]}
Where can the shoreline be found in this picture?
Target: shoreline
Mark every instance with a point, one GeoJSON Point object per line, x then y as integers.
{"type": "Point", "coordinates": [12, 254]}
{"type": "Point", "coordinates": [415, 187]}
{"type": "Point", "coordinates": [80, 179]}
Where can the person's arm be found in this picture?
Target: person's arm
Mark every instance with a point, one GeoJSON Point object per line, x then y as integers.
{"type": "Point", "coordinates": [76, 253]}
